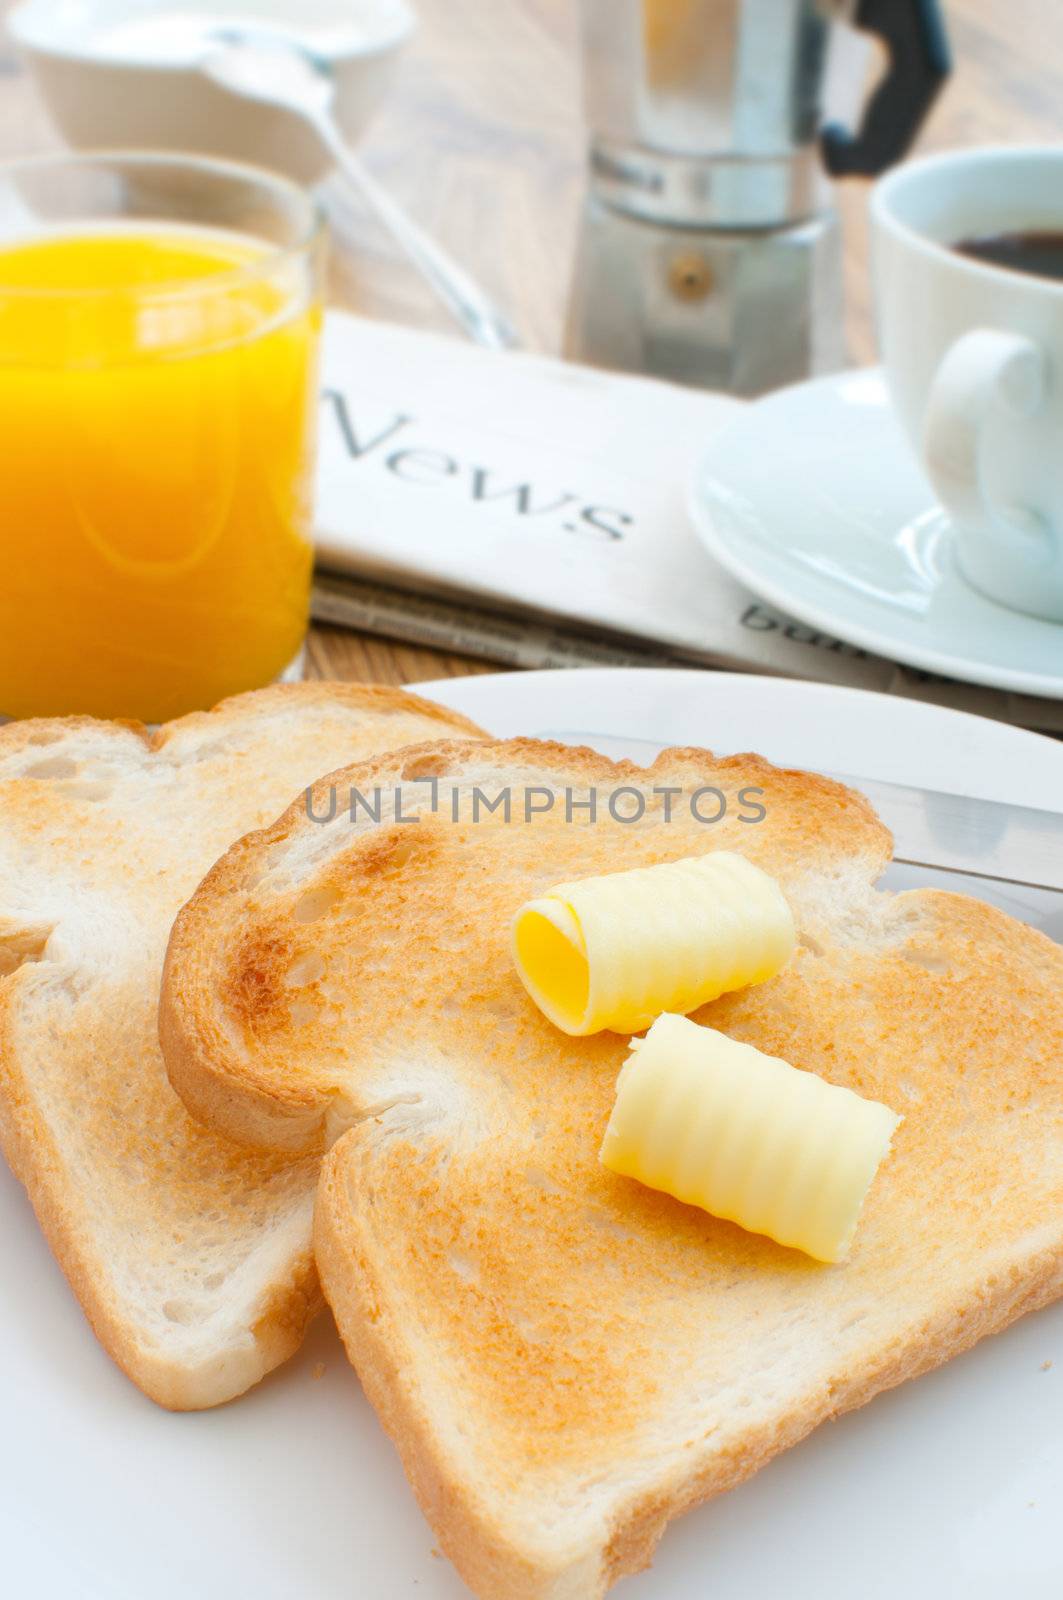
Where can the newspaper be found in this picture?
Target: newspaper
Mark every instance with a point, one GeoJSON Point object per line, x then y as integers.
{"type": "Point", "coordinates": [531, 512]}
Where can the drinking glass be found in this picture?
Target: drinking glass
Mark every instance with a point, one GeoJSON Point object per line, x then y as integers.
{"type": "Point", "coordinates": [159, 328]}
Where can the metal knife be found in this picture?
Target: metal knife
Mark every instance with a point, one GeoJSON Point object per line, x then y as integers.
{"type": "Point", "coordinates": [948, 832]}
{"type": "Point", "coordinates": [982, 838]}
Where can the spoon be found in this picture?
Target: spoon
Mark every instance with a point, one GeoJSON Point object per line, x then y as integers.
{"type": "Point", "coordinates": [286, 74]}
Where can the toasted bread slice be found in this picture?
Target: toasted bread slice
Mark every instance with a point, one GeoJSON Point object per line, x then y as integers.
{"type": "Point", "coordinates": [564, 1358]}
{"type": "Point", "coordinates": [191, 1258]}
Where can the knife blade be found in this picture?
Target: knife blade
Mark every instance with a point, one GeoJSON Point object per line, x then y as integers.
{"type": "Point", "coordinates": [931, 828]}
{"type": "Point", "coordinates": [956, 833]}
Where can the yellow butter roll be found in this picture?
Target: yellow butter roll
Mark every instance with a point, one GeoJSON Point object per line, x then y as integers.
{"type": "Point", "coordinates": [746, 1136]}
{"type": "Point", "coordinates": [615, 951]}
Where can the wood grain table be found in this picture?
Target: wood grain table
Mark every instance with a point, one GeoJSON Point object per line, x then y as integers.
{"type": "Point", "coordinates": [483, 142]}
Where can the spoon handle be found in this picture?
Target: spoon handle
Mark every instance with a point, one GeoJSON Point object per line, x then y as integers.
{"type": "Point", "coordinates": [463, 297]}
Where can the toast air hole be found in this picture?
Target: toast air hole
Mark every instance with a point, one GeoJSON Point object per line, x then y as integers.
{"type": "Point", "coordinates": [927, 960]}
{"type": "Point", "coordinates": [313, 905]}
{"type": "Point", "coordinates": [21, 945]}
{"type": "Point", "coordinates": [305, 969]}
{"type": "Point", "coordinates": [180, 1311]}
{"type": "Point", "coordinates": [54, 767]}
{"type": "Point", "coordinates": [427, 766]}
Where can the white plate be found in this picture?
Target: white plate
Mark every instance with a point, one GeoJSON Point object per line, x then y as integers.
{"type": "Point", "coordinates": [947, 1487]}
{"type": "Point", "coordinates": [812, 498]}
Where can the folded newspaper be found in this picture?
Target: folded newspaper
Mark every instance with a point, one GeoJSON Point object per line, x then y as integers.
{"type": "Point", "coordinates": [531, 512]}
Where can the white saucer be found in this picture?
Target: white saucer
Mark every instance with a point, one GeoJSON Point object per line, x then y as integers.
{"type": "Point", "coordinates": [813, 499]}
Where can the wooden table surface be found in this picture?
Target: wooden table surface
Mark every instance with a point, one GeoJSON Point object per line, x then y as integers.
{"type": "Point", "coordinates": [482, 141]}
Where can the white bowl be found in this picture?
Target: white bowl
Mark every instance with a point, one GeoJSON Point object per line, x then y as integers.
{"type": "Point", "coordinates": [122, 74]}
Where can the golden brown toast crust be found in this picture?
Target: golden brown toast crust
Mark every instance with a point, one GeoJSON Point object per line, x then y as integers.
{"type": "Point", "coordinates": [565, 1359]}
{"type": "Point", "coordinates": [271, 1099]}
{"type": "Point", "coordinates": [375, 1324]}
{"type": "Point", "coordinates": [89, 881]}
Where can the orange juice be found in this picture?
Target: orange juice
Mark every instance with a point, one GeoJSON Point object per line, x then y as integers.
{"type": "Point", "coordinates": [157, 405]}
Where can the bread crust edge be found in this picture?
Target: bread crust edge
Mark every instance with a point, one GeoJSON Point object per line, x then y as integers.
{"type": "Point", "coordinates": [485, 1553]}
{"type": "Point", "coordinates": [235, 1097]}
{"type": "Point", "coordinates": [293, 1299]}
{"type": "Point", "coordinates": [284, 1313]}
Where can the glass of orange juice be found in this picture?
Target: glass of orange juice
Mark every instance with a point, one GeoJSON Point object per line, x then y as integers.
{"type": "Point", "coordinates": [159, 325]}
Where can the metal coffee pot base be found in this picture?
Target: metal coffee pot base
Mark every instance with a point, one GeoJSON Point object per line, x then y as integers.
{"type": "Point", "coordinates": [737, 310]}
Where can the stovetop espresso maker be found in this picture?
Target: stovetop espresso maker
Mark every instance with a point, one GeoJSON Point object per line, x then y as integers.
{"type": "Point", "coordinates": [709, 247]}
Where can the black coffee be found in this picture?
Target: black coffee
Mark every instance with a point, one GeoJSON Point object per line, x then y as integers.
{"type": "Point", "coordinates": [1039, 253]}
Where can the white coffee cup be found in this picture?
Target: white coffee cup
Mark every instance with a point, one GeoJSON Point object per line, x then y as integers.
{"type": "Point", "coordinates": [973, 356]}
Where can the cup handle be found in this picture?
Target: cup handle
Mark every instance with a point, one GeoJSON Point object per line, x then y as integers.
{"type": "Point", "coordinates": [983, 372]}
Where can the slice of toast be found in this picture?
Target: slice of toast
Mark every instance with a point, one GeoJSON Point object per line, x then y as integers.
{"type": "Point", "coordinates": [566, 1359]}
{"type": "Point", "coordinates": [191, 1258]}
